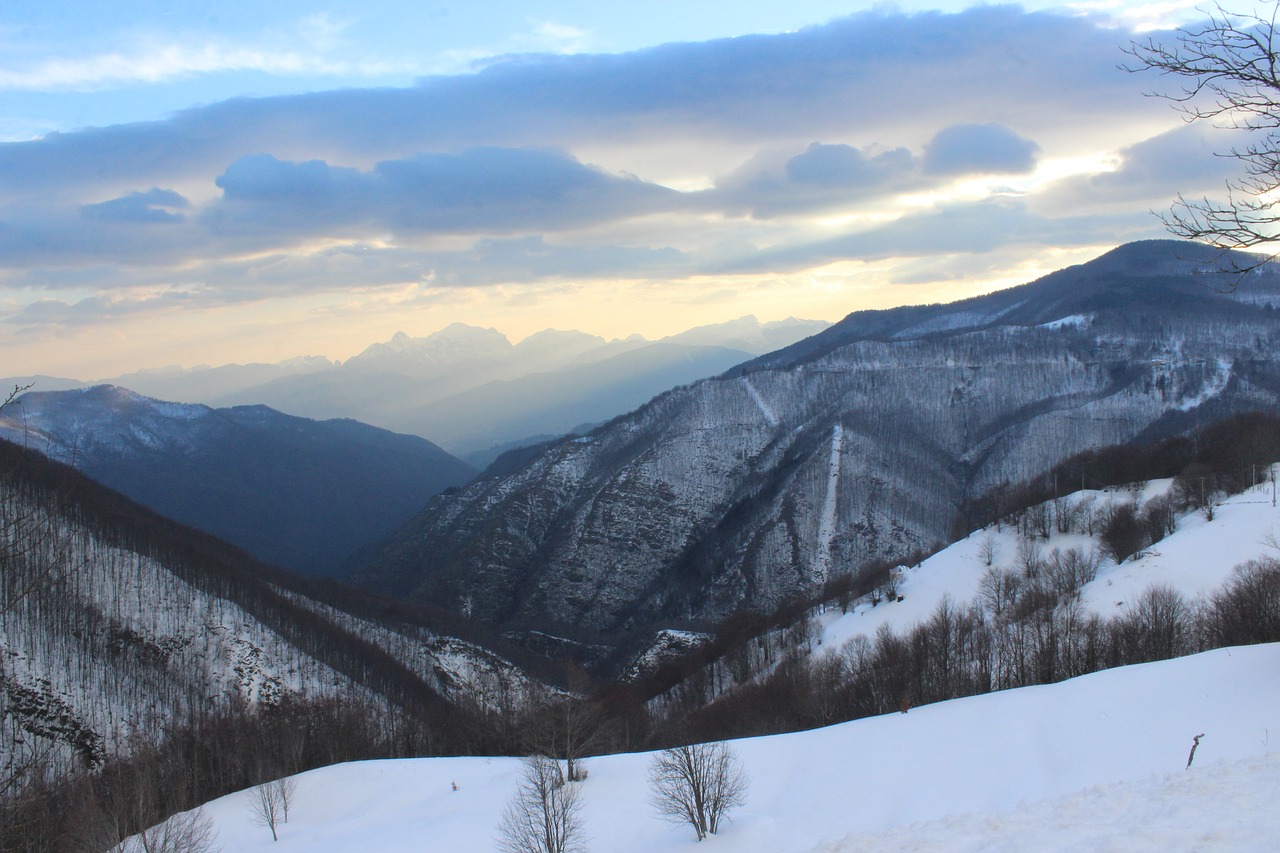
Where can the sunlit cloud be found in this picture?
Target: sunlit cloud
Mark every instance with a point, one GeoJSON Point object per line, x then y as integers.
{"type": "Point", "coordinates": [931, 154]}
{"type": "Point", "coordinates": [1142, 15]}
{"type": "Point", "coordinates": [164, 57]}
{"type": "Point", "coordinates": [541, 37]}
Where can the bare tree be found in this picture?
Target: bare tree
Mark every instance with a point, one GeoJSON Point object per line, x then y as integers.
{"type": "Point", "coordinates": [285, 789]}
{"type": "Point", "coordinates": [1229, 69]}
{"type": "Point", "coordinates": [697, 784]}
{"type": "Point", "coordinates": [544, 814]}
{"type": "Point", "coordinates": [998, 589]}
{"type": "Point", "coordinates": [185, 832]}
{"type": "Point", "coordinates": [568, 727]}
{"type": "Point", "coordinates": [266, 808]}
{"type": "Point", "coordinates": [988, 548]}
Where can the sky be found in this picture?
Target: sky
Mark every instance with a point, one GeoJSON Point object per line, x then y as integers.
{"type": "Point", "coordinates": [202, 182]}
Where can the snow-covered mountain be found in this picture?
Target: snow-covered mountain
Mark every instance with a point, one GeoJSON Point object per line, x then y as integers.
{"type": "Point", "coordinates": [298, 493]}
{"type": "Point", "coordinates": [117, 625]}
{"type": "Point", "coordinates": [858, 443]}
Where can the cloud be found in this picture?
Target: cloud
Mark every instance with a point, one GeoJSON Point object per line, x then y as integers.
{"type": "Point", "coordinates": [94, 310]}
{"type": "Point", "coordinates": [154, 205]}
{"type": "Point", "coordinates": [1183, 160]}
{"type": "Point", "coordinates": [481, 190]}
{"type": "Point", "coordinates": [823, 176]}
{"type": "Point", "coordinates": [309, 49]}
{"type": "Point", "coordinates": [531, 259]}
{"type": "Point", "coordinates": [845, 166]}
{"type": "Point", "coordinates": [522, 170]}
{"type": "Point", "coordinates": [965, 149]}
{"type": "Point", "coordinates": [872, 77]}
{"type": "Point", "coordinates": [959, 228]}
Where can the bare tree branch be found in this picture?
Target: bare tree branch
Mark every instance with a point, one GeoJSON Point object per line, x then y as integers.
{"type": "Point", "coordinates": [1230, 77]}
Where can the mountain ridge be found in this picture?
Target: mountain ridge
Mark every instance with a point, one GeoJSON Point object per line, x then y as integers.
{"type": "Point", "coordinates": [856, 444]}
{"type": "Point", "coordinates": [299, 493]}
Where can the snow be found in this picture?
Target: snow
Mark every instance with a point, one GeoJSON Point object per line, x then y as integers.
{"type": "Point", "coordinates": [1080, 765]}
{"type": "Point", "coordinates": [827, 519]}
{"type": "Point", "coordinates": [1077, 320]}
{"type": "Point", "coordinates": [1178, 811]}
{"type": "Point", "coordinates": [770, 416]}
{"type": "Point", "coordinates": [1214, 384]}
{"type": "Point", "coordinates": [1094, 763]}
{"type": "Point", "coordinates": [1196, 559]}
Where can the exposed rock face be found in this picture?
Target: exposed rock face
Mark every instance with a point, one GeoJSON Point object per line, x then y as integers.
{"type": "Point", "coordinates": [860, 442]}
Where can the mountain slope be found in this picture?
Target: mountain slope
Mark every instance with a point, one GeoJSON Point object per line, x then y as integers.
{"type": "Point", "coordinates": [554, 403]}
{"type": "Point", "coordinates": [1017, 770]}
{"type": "Point", "coordinates": [301, 494]}
{"type": "Point", "coordinates": [117, 625]}
{"type": "Point", "coordinates": [859, 443]}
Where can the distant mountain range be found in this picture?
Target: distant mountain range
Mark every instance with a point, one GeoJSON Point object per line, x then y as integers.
{"type": "Point", "coordinates": [470, 389]}
{"type": "Point", "coordinates": [298, 493]}
{"type": "Point", "coordinates": [860, 443]}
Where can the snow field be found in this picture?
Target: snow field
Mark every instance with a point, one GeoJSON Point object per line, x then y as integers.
{"type": "Point", "coordinates": [969, 771]}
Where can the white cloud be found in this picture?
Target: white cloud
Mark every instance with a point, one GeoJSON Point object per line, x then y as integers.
{"type": "Point", "coordinates": [1142, 15]}
{"type": "Point", "coordinates": [160, 59]}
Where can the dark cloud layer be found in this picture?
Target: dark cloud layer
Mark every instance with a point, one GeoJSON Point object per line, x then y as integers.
{"type": "Point", "coordinates": [822, 176]}
{"type": "Point", "coordinates": [483, 190]}
{"type": "Point", "coordinates": [966, 149]}
{"type": "Point", "coordinates": [154, 206]}
{"type": "Point", "coordinates": [470, 179]}
{"type": "Point", "coordinates": [870, 72]}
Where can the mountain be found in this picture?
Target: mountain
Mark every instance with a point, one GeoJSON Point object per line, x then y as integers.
{"type": "Point", "coordinates": [749, 334]}
{"type": "Point", "coordinates": [859, 443]}
{"type": "Point", "coordinates": [119, 626]}
{"type": "Point", "coordinates": [203, 383]}
{"type": "Point", "coordinates": [467, 388]}
{"type": "Point", "coordinates": [470, 389]}
{"type": "Point", "coordinates": [556, 402]}
{"type": "Point", "coordinates": [298, 493]}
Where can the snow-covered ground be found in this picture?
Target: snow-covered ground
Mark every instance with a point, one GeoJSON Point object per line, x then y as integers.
{"type": "Point", "coordinates": [1095, 763]}
{"type": "Point", "coordinates": [1196, 559]}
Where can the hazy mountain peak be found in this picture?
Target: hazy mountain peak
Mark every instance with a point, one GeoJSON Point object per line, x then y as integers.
{"type": "Point", "coordinates": [748, 334]}
{"type": "Point", "coordinates": [456, 343]}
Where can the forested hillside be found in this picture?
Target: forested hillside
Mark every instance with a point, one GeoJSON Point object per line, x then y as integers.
{"type": "Point", "coordinates": [867, 442]}
{"type": "Point", "coordinates": [125, 636]}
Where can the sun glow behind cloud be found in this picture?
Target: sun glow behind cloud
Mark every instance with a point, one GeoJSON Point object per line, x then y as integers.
{"type": "Point", "coordinates": [880, 159]}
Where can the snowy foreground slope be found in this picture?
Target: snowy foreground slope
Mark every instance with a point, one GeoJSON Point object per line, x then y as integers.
{"type": "Point", "coordinates": [1093, 763]}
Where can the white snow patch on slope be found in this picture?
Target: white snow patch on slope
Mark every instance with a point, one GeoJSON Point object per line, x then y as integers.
{"type": "Point", "coordinates": [1004, 762]}
{"type": "Point", "coordinates": [1177, 811]}
{"type": "Point", "coordinates": [827, 520]}
{"type": "Point", "coordinates": [1078, 320]}
{"type": "Point", "coordinates": [1214, 384]}
{"type": "Point", "coordinates": [770, 416]}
